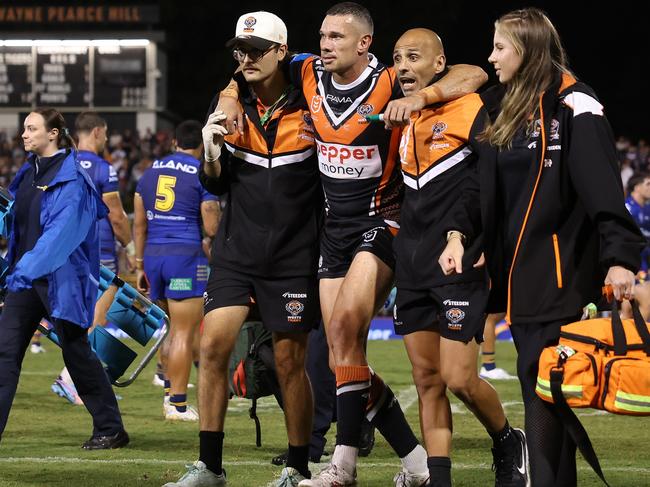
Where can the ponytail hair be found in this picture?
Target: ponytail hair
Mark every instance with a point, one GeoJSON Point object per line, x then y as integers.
{"type": "Point", "coordinates": [54, 120]}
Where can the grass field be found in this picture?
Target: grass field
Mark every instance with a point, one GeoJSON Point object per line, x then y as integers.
{"type": "Point", "coordinates": [41, 445]}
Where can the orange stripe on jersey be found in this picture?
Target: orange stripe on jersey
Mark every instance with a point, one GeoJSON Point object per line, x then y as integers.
{"type": "Point", "coordinates": [294, 134]}
{"type": "Point", "coordinates": [436, 135]}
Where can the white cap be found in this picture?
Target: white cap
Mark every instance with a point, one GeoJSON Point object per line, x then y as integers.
{"type": "Point", "coordinates": [259, 30]}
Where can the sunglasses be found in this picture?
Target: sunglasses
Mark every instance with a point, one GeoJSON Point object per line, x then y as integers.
{"type": "Point", "coordinates": [240, 53]}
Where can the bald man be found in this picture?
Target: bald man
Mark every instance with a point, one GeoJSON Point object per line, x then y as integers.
{"type": "Point", "coordinates": [441, 317]}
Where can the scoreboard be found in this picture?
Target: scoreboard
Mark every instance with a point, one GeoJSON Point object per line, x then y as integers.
{"type": "Point", "coordinates": [15, 76]}
{"type": "Point", "coordinates": [74, 74]}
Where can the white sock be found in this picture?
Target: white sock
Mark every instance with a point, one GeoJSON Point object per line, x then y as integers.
{"type": "Point", "coordinates": [65, 376]}
{"type": "Point", "coordinates": [416, 461]}
{"type": "Point", "coordinates": [345, 456]}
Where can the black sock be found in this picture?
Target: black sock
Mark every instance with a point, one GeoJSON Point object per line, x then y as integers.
{"type": "Point", "coordinates": [439, 471]}
{"type": "Point", "coordinates": [297, 458]}
{"type": "Point", "coordinates": [211, 450]}
{"type": "Point", "coordinates": [504, 437]}
{"type": "Point", "coordinates": [387, 416]}
{"type": "Point", "coordinates": [350, 408]}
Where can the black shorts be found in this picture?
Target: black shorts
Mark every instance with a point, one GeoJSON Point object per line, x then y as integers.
{"type": "Point", "coordinates": [456, 311]}
{"type": "Point", "coordinates": [285, 305]}
{"type": "Point", "coordinates": [342, 240]}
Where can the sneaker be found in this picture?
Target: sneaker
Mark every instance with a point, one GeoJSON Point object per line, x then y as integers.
{"type": "Point", "coordinates": [290, 477]}
{"type": "Point", "coordinates": [511, 465]}
{"type": "Point", "coordinates": [118, 440]}
{"type": "Point", "coordinates": [331, 476]}
{"type": "Point", "coordinates": [366, 439]}
{"type": "Point", "coordinates": [37, 348]}
{"type": "Point", "coordinates": [67, 391]}
{"type": "Point", "coordinates": [173, 414]}
{"type": "Point", "coordinates": [495, 374]}
{"type": "Point", "coordinates": [281, 459]}
{"type": "Point", "coordinates": [198, 475]}
{"type": "Point", "coordinates": [409, 479]}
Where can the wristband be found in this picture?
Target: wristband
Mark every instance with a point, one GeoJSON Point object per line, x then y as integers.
{"type": "Point", "coordinates": [456, 234]}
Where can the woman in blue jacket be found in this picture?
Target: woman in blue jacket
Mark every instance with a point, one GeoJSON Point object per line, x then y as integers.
{"type": "Point", "coordinates": [53, 271]}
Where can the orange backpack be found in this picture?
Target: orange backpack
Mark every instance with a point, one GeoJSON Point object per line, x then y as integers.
{"type": "Point", "coordinates": [600, 363]}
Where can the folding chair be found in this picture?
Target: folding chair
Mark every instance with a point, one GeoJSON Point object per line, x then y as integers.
{"type": "Point", "coordinates": [136, 316]}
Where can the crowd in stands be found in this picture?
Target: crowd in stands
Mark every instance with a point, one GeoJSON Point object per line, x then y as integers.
{"type": "Point", "coordinates": [128, 152]}
{"type": "Point", "coordinates": [633, 157]}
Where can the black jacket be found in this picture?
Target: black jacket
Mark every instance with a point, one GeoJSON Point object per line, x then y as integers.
{"type": "Point", "coordinates": [274, 206]}
{"type": "Point", "coordinates": [572, 221]}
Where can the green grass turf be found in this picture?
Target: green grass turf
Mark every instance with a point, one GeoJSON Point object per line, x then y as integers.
{"type": "Point", "coordinates": [41, 445]}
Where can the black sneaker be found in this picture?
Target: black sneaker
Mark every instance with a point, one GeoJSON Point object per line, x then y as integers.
{"type": "Point", "coordinates": [281, 459]}
{"type": "Point", "coordinates": [511, 464]}
{"type": "Point", "coordinates": [118, 440]}
{"type": "Point", "coordinates": [367, 439]}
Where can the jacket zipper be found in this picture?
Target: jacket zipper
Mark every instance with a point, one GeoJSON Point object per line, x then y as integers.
{"type": "Point", "coordinates": [269, 186]}
{"type": "Point", "coordinates": [593, 367]}
{"type": "Point", "coordinates": [558, 261]}
{"type": "Point", "coordinates": [585, 339]}
{"type": "Point", "coordinates": [608, 371]}
{"type": "Point", "coordinates": [530, 205]}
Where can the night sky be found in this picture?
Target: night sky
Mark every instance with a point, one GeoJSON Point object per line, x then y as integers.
{"type": "Point", "coordinates": [608, 48]}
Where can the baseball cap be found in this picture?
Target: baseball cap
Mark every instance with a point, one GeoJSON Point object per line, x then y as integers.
{"type": "Point", "coordinates": [259, 30]}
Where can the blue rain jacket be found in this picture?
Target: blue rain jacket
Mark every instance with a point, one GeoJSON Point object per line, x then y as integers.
{"type": "Point", "coordinates": [67, 252]}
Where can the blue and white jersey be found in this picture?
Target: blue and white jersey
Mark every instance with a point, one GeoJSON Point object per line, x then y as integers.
{"type": "Point", "coordinates": [172, 197]}
{"type": "Point", "coordinates": [641, 215]}
{"type": "Point", "coordinates": [105, 179]}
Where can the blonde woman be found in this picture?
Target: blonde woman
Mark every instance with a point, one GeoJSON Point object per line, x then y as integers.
{"type": "Point", "coordinates": [555, 227]}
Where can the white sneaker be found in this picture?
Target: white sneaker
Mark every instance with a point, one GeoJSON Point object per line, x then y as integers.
{"type": "Point", "coordinates": [409, 479]}
{"type": "Point", "coordinates": [198, 475]}
{"type": "Point", "coordinates": [173, 414]}
{"type": "Point", "coordinates": [290, 477]}
{"type": "Point", "coordinates": [495, 374]}
{"type": "Point", "coordinates": [332, 475]}
{"type": "Point", "coordinates": [37, 348]}
{"type": "Point", "coordinates": [166, 405]}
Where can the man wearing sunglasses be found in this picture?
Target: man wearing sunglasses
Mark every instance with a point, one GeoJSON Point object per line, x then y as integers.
{"type": "Point", "coordinates": [266, 248]}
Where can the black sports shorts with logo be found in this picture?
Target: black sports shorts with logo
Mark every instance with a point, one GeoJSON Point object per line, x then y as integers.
{"type": "Point", "coordinates": [456, 311]}
{"type": "Point", "coordinates": [286, 304]}
{"type": "Point", "coordinates": [343, 239]}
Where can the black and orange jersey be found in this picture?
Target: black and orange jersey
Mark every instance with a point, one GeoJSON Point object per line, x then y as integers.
{"type": "Point", "coordinates": [438, 165]}
{"type": "Point", "coordinates": [357, 160]}
{"type": "Point", "coordinates": [274, 207]}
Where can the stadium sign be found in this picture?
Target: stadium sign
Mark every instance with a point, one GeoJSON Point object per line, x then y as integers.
{"type": "Point", "coordinates": [91, 14]}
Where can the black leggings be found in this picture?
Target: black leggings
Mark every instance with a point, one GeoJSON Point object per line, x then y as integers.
{"type": "Point", "coordinates": [551, 451]}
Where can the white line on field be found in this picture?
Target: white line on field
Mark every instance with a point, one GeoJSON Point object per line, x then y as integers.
{"type": "Point", "coordinates": [153, 461]}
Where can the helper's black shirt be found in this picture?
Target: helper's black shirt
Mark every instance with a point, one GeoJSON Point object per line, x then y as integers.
{"type": "Point", "coordinates": [27, 207]}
